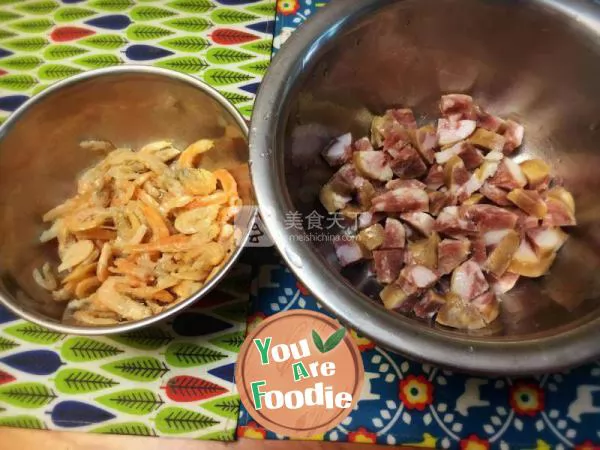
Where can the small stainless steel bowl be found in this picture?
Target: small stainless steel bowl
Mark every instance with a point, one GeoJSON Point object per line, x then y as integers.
{"type": "Point", "coordinates": [40, 160]}
{"type": "Point", "coordinates": [537, 61]}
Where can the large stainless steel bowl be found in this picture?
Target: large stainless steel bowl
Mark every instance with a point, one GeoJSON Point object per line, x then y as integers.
{"type": "Point", "coordinates": [535, 60]}
{"type": "Point", "coordinates": [40, 160]}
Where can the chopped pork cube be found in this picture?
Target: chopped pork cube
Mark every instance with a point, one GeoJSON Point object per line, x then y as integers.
{"type": "Point", "coordinates": [420, 221]}
{"type": "Point", "coordinates": [530, 202]}
{"type": "Point", "coordinates": [404, 117]}
{"type": "Point", "coordinates": [488, 121]}
{"type": "Point", "coordinates": [435, 177]}
{"type": "Point", "coordinates": [414, 278]}
{"type": "Point", "coordinates": [450, 223]}
{"type": "Point", "coordinates": [406, 163]}
{"type": "Point", "coordinates": [393, 297]}
{"type": "Point", "coordinates": [513, 133]}
{"type": "Point", "coordinates": [495, 194]}
{"type": "Point", "coordinates": [398, 183]}
{"type": "Point", "coordinates": [487, 305]}
{"type": "Point", "coordinates": [388, 264]}
{"type": "Point", "coordinates": [468, 281]}
{"type": "Point", "coordinates": [363, 145]}
{"type": "Point", "coordinates": [457, 105]}
{"type": "Point", "coordinates": [348, 178]}
{"type": "Point", "coordinates": [429, 305]}
{"type": "Point", "coordinates": [339, 151]}
{"type": "Point", "coordinates": [348, 251]}
{"type": "Point", "coordinates": [401, 200]}
{"type": "Point", "coordinates": [374, 165]}
{"type": "Point", "coordinates": [547, 240]}
{"type": "Point", "coordinates": [489, 217]}
{"type": "Point", "coordinates": [425, 141]}
{"type": "Point", "coordinates": [332, 200]}
{"type": "Point", "coordinates": [488, 140]}
{"type": "Point", "coordinates": [559, 214]}
{"type": "Point", "coordinates": [394, 234]}
{"type": "Point", "coordinates": [451, 254]}
{"type": "Point", "coordinates": [450, 131]}
{"type": "Point", "coordinates": [439, 200]}
{"type": "Point", "coordinates": [509, 175]}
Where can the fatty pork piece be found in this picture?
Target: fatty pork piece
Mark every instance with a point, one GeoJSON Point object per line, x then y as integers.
{"type": "Point", "coordinates": [401, 200]}
{"type": "Point", "coordinates": [339, 151]}
{"type": "Point", "coordinates": [425, 141]}
{"type": "Point", "coordinates": [388, 264]}
{"type": "Point", "coordinates": [393, 127]}
{"type": "Point", "coordinates": [405, 162]}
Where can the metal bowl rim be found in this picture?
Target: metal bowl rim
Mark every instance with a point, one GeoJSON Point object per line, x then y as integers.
{"type": "Point", "coordinates": [392, 331]}
{"type": "Point", "coordinates": [129, 326]}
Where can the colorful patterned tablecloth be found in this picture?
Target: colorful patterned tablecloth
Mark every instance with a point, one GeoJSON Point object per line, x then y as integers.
{"type": "Point", "coordinates": [404, 402]}
{"type": "Point", "coordinates": [171, 380]}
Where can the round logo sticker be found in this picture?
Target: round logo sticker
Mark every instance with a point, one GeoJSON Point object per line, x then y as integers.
{"type": "Point", "coordinates": [299, 373]}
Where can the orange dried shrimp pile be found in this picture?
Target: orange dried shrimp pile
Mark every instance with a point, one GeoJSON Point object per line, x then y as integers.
{"type": "Point", "coordinates": [145, 230]}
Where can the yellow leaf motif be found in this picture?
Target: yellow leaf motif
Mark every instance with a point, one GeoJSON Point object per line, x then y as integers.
{"type": "Point", "coordinates": [428, 442]}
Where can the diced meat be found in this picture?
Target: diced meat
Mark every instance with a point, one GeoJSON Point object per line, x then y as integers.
{"type": "Point", "coordinates": [348, 251]}
{"type": "Point", "coordinates": [488, 140]}
{"type": "Point", "coordinates": [528, 201]}
{"type": "Point", "coordinates": [547, 240]}
{"type": "Point", "coordinates": [388, 264]}
{"type": "Point", "coordinates": [492, 238]}
{"type": "Point", "coordinates": [365, 193]}
{"type": "Point", "coordinates": [339, 150]}
{"type": "Point", "coordinates": [398, 183]}
{"type": "Point", "coordinates": [478, 250]}
{"type": "Point", "coordinates": [366, 219]}
{"type": "Point", "coordinates": [404, 117]}
{"type": "Point", "coordinates": [372, 237]}
{"type": "Point", "coordinates": [559, 214]}
{"type": "Point", "coordinates": [435, 177]}
{"type": "Point", "coordinates": [439, 200]}
{"type": "Point", "coordinates": [525, 253]}
{"type": "Point", "coordinates": [509, 175]}
{"type": "Point", "coordinates": [393, 297]}
{"type": "Point", "coordinates": [332, 200]}
{"type": "Point", "coordinates": [537, 173]}
{"type": "Point", "coordinates": [501, 256]}
{"type": "Point", "coordinates": [513, 133]}
{"type": "Point", "coordinates": [495, 194]}
{"type": "Point", "coordinates": [460, 314]}
{"type": "Point", "coordinates": [468, 281]}
{"type": "Point", "coordinates": [457, 105]}
{"type": "Point", "coordinates": [401, 200]}
{"type": "Point", "coordinates": [525, 222]}
{"type": "Point", "coordinates": [429, 305]}
{"type": "Point", "coordinates": [478, 178]}
{"type": "Point", "coordinates": [505, 283]}
{"type": "Point", "coordinates": [414, 278]}
{"type": "Point", "coordinates": [395, 234]}
{"type": "Point", "coordinates": [443, 156]}
{"type": "Point", "coordinates": [450, 223]}
{"type": "Point", "coordinates": [489, 217]}
{"type": "Point", "coordinates": [347, 177]}
{"type": "Point", "coordinates": [471, 157]}
{"type": "Point", "coordinates": [373, 164]}
{"type": "Point", "coordinates": [363, 145]}
{"type": "Point", "coordinates": [450, 132]}
{"type": "Point", "coordinates": [406, 163]}
{"type": "Point", "coordinates": [455, 174]}
{"type": "Point", "coordinates": [487, 305]}
{"type": "Point", "coordinates": [425, 141]}
{"type": "Point", "coordinates": [488, 121]}
{"type": "Point", "coordinates": [423, 252]}
{"type": "Point", "coordinates": [420, 221]}
{"type": "Point", "coordinates": [451, 254]}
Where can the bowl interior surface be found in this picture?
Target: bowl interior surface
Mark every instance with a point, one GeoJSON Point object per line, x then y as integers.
{"type": "Point", "coordinates": [40, 161]}
{"type": "Point", "coordinates": [537, 62]}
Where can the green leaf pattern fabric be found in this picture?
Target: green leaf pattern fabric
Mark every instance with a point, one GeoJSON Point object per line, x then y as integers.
{"type": "Point", "coordinates": [127, 376]}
